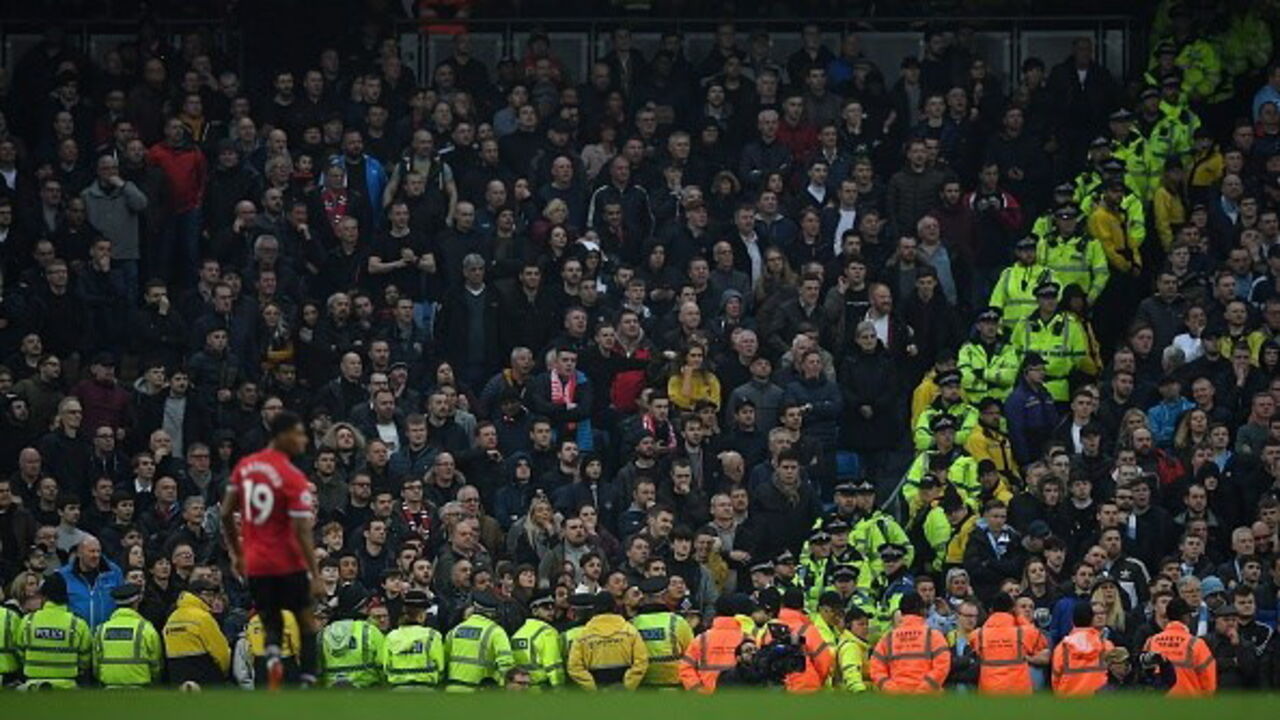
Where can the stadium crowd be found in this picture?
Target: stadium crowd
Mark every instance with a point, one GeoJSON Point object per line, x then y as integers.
{"type": "Point", "coordinates": [692, 372]}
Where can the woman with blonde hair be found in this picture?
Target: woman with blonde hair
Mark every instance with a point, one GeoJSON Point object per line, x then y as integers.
{"type": "Point", "coordinates": [554, 214]}
{"type": "Point", "coordinates": [535, 534]}
{"type": "Point", "coordinates": [24, 592]}
{"type": "Point", "coordinates": [1107, 602]}
{"type": "Point", "coordinates": [1132, 419]}
{"type": "Point", "coordinates": [778, 283]}
{"type": "Point", "coordinates": [1193, 431]}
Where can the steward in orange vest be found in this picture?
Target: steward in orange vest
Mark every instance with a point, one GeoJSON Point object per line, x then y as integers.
{"type": "Point", "coordinates": [1078, 668]}
{"type": "Point", "coordinates": [712, 652]}
{"type": "Point", "coordinates": [1192, 660]}
{"type": "Point", "coordinates": [912, 658]}
{"type": "Point", "coordinates": [1005, 645]}
{"type": "Point", "coordinates": [819, 656]}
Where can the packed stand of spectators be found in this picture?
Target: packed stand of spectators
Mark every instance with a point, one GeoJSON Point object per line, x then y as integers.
{"type": "Point", "coordinates": [720, 336]}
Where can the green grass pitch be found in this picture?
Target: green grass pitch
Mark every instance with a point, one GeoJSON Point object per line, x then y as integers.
{"type": "Point", "coordinates": [332, 705]}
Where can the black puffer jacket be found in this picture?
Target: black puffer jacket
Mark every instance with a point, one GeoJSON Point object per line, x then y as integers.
{"type": "Point", "coordinates": [872, 379]}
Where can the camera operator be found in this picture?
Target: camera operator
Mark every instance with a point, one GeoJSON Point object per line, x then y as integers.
{"type": "Point", "coordinates": [1153, 672]}
{"type": "Point", "coordinates": [745, 671]}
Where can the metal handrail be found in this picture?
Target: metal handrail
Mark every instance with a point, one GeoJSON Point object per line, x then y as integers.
{"type": "Point", "coordinates": [224, 32]}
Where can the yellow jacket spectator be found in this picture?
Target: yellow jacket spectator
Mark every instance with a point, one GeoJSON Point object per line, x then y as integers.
{"type": "Point", "coordinates": [609, 652]}
{"type": "Point", "coordinates": [927, 390]}
{"type": "Point", "coordinates": [693, 381]}
{"type": "Point", "coordinates": [256, 636]}
{"type": "Point", "coordinates": [1236, 334]}
{"type": "Point", "coordinates": [194, 646]}
{"type": "Point", "coordinates": [1207, 165]}
{"type": "Point", "coordinates": [988, 441]}
{"type": "Point", "coordinates": [1167, 205]}
{"type": "Point", "coordinates": [1120, 229]}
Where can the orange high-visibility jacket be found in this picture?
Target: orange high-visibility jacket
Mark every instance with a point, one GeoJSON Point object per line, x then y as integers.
{"type": "Point", "coordinates": [911, 659]}
{"type": "Point", "coordinates": [710, 654]}
{"type": "Point", "coordinates": [1192, 660]}
{"type": "Point", "coordinates": [1078, 670]}
{"type": "Point", "coordinates": [820, 657]}
{"type": "Point", "coordinates": [1004, 644]}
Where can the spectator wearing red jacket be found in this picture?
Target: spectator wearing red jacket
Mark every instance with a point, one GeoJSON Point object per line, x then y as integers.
{"type": "Point", "coordinates": [186, 171]}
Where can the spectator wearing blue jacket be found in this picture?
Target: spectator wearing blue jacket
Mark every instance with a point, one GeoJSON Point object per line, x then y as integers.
{"type": "Point", "coordinates": [1163, 417]}
{"type": "Point", "coordinates": [823, 405]}
{"type": "Point", "coordinates": [90, 579]}
{"type": "Point", "coordinates": [819, 397]}
{"type": "Point", "coordinates": [360, 166]}
{"type": "Point", "coordinates": [1082, 584]}
{"type": "Point", "coordinates": [1031, 413]}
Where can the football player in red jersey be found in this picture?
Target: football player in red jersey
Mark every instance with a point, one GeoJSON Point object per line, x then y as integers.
{"type": "Point", "coordinates": [273, 548]}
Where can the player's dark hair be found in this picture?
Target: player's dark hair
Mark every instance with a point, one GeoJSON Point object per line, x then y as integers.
{"type": "Point", "coordinates": [285, 421]}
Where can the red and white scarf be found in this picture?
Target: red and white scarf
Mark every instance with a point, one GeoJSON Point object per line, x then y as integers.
{"type": "Point", "coordinates": [563, 393]}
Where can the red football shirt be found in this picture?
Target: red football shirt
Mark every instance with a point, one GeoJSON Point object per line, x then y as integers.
{"type": "Point", "coordinates": [272, 492]}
